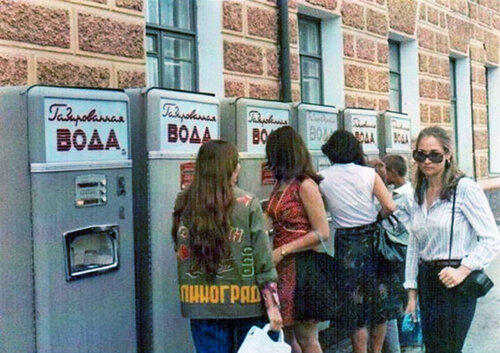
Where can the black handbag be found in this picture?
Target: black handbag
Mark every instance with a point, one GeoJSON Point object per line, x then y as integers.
{"type": "Point", "coordinates": [391, 239]}
{"type": "Point", "coordinates": [477, 283]}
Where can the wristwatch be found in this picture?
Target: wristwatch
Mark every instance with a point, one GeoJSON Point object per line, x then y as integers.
{"type": "Point", "coordinates": [283, 252]}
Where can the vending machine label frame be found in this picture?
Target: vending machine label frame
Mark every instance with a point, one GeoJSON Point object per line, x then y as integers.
{"type": "Point", "coordinates": [81, 129]}
{"type": "Point", "coordinates": [185, 124]}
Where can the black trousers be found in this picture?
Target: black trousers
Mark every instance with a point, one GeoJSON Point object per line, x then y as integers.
{"type": "Point", "coordinates": [446, 314]}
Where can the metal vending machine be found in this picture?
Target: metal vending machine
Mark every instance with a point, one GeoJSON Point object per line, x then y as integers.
{"type": "Point", "coordinates": [168, 129]}
{"type": "Point", "coordinates": [247, 123]}
{"type": "Point", "coordinates": [395, 134]}
{"type": "Point", "coordinates": [68, 167]}
{"type": "Point", "coordinates": [316, 123]}
{"type": "Point", "coordinates": [364, 125]}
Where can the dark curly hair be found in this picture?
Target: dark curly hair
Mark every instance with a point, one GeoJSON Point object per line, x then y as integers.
{"type": "Point", "coordinates": [343, 147]}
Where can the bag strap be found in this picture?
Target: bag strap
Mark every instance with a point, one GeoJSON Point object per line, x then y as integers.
{"type": "Point", "coordinates": [323, 245]}
{"type": "Point", "coordinates": [452, 219]}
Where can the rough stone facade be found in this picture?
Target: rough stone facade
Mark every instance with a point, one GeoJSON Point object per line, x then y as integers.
{"type": "Point", "coordinates": [251, 49]}
{"type": "Point", "coordinates": [87, 43]}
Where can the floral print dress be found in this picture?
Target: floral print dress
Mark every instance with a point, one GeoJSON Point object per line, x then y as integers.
{"type": "Point", "coordinates": [290, 222]}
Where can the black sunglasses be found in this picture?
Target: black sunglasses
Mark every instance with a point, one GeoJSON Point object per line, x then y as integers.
{"type": "Point", "coordinates": [434, 157]}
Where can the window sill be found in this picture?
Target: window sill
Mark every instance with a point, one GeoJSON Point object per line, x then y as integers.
{"type": "Point", "coordinates": [492, 183]}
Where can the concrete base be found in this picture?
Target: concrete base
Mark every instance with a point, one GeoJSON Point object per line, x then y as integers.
{"type": "Point", "coordinates": [493, 196]}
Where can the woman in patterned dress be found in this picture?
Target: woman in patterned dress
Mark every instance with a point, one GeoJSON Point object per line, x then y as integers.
{"type": "Point", "coordinates": [299, 222]}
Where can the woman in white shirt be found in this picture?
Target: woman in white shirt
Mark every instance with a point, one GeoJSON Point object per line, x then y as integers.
{"type": "Point", "coordinates": [349, 189]}
{"type": "Point", "coordinates": [446, 314]}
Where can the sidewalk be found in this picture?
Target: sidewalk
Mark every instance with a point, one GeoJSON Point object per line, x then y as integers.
{"type": "Point", "coordinates": [345, 347]}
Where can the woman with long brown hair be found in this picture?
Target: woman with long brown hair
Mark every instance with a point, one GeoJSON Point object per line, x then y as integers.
{"type": "Point", "coordinates": [448, 205]}
{"type": "Point", "coordinates": [299, 222]}
{"type": "Point", "coordinates": [224, 257]}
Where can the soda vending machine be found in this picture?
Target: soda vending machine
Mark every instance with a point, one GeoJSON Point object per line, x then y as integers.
{"type": "Point", "coordinates": [363, 123]}
{"type": "Point", "coordinates": [395, 134]}
{"type": "Point", "coordinates": [168, 129]}
{"type": "Point", "coordinates": [316, 123]}
{"type": "Point", "coordinates": [247, 123]}
{"type": "Point", "coordinates": [67, 253]}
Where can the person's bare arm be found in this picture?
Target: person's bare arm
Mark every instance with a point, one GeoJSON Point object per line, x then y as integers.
{"type": "Point", "coordinates": [384, 197]}
{"type": "Point", "coordinates": [315, 210]}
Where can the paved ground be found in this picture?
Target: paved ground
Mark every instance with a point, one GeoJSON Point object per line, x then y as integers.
{"type": "Point", "coordinates": [484, 334]}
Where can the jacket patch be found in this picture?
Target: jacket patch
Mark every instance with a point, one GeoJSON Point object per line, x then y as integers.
{"type": "Point", "coordinates": [219, 294]}
{"type": "Point", "coordinates": [247, 262]}
{"type": "Point", "coordinates": [225, 266]}
{"type": "Point", "coordinates": [183, 232]}
{"type": "Point", "coordinates": [245, 200]}
{"type": "Point", "coordinates": [236, 235]}
{"type": "Point", "coordinates": [183, 253]}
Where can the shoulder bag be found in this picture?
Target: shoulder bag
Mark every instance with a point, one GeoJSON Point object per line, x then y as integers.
{"type": "Point", "coordinates": [477, 283]}
{"type": "Point", "coordinates": [391, 239]}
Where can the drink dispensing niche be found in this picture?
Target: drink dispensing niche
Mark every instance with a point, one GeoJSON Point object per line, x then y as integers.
{"type": "Point", "coordinates": [81, 207]}
{"type": "Point", "coordinates": [247, 123]}
{"type": "Point", "coordinates": [168, 129]}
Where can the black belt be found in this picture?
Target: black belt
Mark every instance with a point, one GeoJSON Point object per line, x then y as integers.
{"type": "Point", "coordinates": [442, 263]}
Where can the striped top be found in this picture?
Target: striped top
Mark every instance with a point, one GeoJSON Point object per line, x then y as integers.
{"type": "Point", "coordinates": [404, 198]}
{"type": "Point", "coordinates": [476, 239]}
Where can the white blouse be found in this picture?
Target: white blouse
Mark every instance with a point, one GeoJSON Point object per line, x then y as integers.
{"type": "Point", "coordinates": [476, 240]}
{"type": "Point", "coordinates": [348, 192]}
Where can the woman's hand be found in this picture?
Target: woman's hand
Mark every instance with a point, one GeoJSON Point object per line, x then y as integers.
{"type": "Point", "coordinates": [272, 302]}
{"type": "Point", "coordinates": [411, 307]}
{"type": "Point", "coordinates": [452, 277]}
{"type": "Point", "coordinates": [277, 256]}
{"type": "Point", "coordinates": [275, 320]}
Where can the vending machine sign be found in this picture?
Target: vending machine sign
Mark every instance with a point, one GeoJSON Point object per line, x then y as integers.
{"type": "Point", "coordinates": [185, 125]}
{"type": "Point", "coordinates": [364, 128]}
{"type": "Point", "coordinates": [260, 123]}
{"type": "Point", "coordinates": [399, 138]}
{"type": "Point", "coordinates": [320, 125]}
{"type": "Point", "coordinates": [78, 130]}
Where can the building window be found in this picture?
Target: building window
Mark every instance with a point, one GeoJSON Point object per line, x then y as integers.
{"type": "Point", "coordinates": [170, 44]}
{"type": "Point", "coordinates": [395, 76]}
{"type": "Point", "coordinates": [493, 111]}
{"type": "Point", "coordinates": [453, 99]}
{"type": "Point", "coordinates": [310, 60]}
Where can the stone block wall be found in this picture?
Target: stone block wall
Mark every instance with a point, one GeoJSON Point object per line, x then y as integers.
{"type": "Point", "coordinates": [466, 29]}
{"type": "Point", "coordinates": [366, 71]}
{"type": "Point", "coordinates": [85, 43]}
{"type": "Point", "coordinates": [251, 43]}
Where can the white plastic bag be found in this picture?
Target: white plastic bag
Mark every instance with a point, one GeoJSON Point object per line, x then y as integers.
{"type": "Point", "coordinates": [257, 341]}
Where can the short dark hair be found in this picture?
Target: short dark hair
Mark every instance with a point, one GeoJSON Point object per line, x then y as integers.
{"type": "Point", "coordinates": [343, 147]}
{"type": "Point", "coordinates": [288, 157]}
{"type": "Point", "coordinates": [396, 163]}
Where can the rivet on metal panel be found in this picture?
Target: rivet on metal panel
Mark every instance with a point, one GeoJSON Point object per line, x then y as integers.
{"type": "Point", "coordinates": [120, 190]}
{"type": "Point", "coordinates": [121, 212]}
